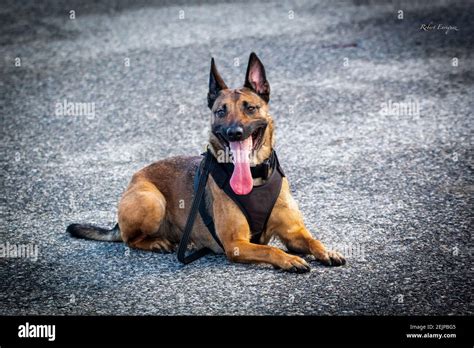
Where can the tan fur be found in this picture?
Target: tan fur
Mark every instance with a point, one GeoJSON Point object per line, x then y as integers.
{"type": "Point", "coordinates": [228, 97]}
{"type": "Point", "coordinates": [154, 208]}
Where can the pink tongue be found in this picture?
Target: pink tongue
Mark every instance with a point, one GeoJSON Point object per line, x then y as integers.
{"type": "Point", "coordinates": [241, 180]}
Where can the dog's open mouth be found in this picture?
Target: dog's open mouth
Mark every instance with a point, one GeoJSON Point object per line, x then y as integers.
{"type": "Point", "coordinates": [257, 138]}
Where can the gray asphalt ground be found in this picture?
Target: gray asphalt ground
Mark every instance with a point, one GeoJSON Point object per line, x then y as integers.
{"type": "Point", "coordinates": [393, 192]}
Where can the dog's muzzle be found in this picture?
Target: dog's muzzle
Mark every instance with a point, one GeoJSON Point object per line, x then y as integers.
{"type": "Point", "coordinates": [239, 132]}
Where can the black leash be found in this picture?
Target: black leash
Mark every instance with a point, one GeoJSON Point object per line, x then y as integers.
{"type": "Point", "coordinates": [207, 166]}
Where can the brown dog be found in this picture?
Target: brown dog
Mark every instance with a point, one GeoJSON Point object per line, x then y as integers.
{"type": "Point", "coordinates": [153, 210]}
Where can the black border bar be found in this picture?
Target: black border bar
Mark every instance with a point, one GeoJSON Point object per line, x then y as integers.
{"type": "Point", "coordinates": [292, 331]}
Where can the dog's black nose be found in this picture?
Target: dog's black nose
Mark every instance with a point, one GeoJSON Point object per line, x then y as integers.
{"type": "Point", "coordinates": [235, 133]}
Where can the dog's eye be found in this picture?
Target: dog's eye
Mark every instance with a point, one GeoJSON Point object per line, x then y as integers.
{"type": "Point", "coordinates": [220, 112]}
{"type": "Point", "coordinates": [251, 108]}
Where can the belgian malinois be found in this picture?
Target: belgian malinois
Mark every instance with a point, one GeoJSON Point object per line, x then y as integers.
{"type": "Point", "coordinates": [151, 213]}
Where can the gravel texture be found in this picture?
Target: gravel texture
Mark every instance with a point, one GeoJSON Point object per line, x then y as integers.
{"type": "Point", "coordinates": [392, 191]}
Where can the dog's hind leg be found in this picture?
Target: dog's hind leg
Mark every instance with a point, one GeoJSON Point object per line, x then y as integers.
{"type": "Point", "coordinates": [153, 244]}
{"type": "Point", "coordinates": [141, 216]}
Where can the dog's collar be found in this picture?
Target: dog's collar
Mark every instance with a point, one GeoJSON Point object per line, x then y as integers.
{"type": "Point", "coordinates": [262, 170]}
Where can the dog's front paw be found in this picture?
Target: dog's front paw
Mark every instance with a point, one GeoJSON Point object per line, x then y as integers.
{"type": "Point", "coordinates": [295, 264]}
{"type": "Point", "coordinates": [332, 258]}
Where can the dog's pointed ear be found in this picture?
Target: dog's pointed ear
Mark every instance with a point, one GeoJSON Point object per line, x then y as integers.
{"type": "Point", "coordinates": [256, 79]}
{"type": "Point", "coordinates": [216, 84]}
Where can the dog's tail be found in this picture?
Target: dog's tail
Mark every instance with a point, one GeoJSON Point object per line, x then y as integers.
{"type": "Point", "coordinates": [88, 231]}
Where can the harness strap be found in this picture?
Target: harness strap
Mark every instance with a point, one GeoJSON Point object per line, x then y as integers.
{"type": "Point", "coordinates": [221, 176]}
{"type": "Point", "coordinates": [258, 205]}
{"type": "Point", "coordinates": [207, 166]}
{"type": "Point", "coordinates": [208, 220]}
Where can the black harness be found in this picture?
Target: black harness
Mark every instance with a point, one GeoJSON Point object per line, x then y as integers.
{"type": "Point", "coordinates": [256, 206]}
